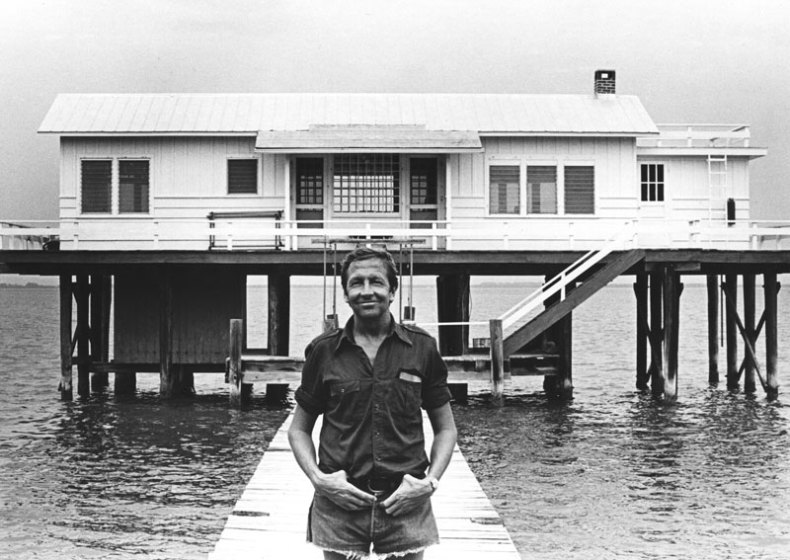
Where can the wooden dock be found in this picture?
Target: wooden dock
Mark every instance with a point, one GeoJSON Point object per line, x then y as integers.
{"type": "Point", "coordinates": [269, 520]}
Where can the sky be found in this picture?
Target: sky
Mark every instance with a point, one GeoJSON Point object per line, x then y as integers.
{"type": "Point", "coordinates": [689, 61]}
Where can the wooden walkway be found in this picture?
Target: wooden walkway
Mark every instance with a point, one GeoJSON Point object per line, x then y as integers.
{"type": "Point", "coordinates": [269, 520]}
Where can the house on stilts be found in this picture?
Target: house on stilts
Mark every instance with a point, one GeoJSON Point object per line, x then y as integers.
{"type": "Point", "coordinates": [168, 202]}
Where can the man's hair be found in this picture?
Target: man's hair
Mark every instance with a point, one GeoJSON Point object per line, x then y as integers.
{"type": "Point", "coordinates": [366, 253]}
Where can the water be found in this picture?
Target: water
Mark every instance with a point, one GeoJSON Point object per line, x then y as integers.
{"type": "Point", "coordinates": [612, 474]}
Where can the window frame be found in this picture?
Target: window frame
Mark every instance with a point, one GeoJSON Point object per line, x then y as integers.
{"type": "Point", "coordinates": [580, 163]}
{"type": "Point", "coordinates": [506, 161]}
{"type": "Point", "coordinates": [398, 187]}
{"type": "Point", "coordinates": [115, 186]}
{"type": "Point", "coordinates": [663, 182]}
{"type": "Point", "coordinates": [258, 173]}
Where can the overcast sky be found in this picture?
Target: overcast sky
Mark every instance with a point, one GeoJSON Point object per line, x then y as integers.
{"type": "Point", "coordinates": [689, 61]}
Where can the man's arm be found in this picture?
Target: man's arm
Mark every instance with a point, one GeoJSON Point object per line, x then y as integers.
{"type": "Point", "coordinates": [414, 491]}
{"type": "Point", "coordinates": [334, 486]}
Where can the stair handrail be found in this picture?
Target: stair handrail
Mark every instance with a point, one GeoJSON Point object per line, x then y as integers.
{"type": "Point", "coordinates": [559, 282]}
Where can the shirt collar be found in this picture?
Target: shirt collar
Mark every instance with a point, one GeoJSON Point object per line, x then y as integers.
{"type": "Point", "coordinates": [347, 333]}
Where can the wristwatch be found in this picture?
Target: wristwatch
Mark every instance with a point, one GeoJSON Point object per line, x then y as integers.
{"type": "Point", "coordinates": [434, 482]}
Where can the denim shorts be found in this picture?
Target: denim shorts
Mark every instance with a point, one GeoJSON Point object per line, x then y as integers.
{"type": "Point", "coordinates": [357, 533]}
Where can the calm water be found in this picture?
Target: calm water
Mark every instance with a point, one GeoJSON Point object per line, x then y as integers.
{"type": "Point", "coordinates": [613, 474]}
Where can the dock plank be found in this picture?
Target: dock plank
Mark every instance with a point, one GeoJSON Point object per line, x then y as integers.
{"type": "Point", "coordinates": [269, 520]}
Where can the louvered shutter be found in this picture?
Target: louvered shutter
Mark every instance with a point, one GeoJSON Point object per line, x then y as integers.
{"type": "Point", "coordinates": [242, 176]}
{"type": "Point", "coordinates": [579, 189]}
{"type": "Point", "coordinates": [96, 186]}
{"type": "Point", "coordinates": [541, 189]}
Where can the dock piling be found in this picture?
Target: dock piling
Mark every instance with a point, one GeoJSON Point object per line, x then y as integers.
{"type": "Point", "coordinates": [749, 385]}
{"type": "Point", "coordinates": [279, 286]}
{"type": "Point", "coordinates": [640, 291]}
{"type": "Point", "coordinates": [168, 378]}
{"type": "Point", "coordinates": [65, 385]}
{"type": "Point", "coordinates": [497, 360]}
{"type": "Point", "coordinates": [83, 336]}
{"type": "Point", "coordinates": [656, 334]}
{"type": "Point", "coordinates": [234, 365]}
{"type": "Point", "coordinates": [771, 290]}
{"type": "Point", "coordinates": [731, 296]}
{"type": "Point", "coordinates": [671, 296]}
{"type": "Point", "coordinates": [452, 302]}
{"type": "Point", "coordinates": [713, 329]}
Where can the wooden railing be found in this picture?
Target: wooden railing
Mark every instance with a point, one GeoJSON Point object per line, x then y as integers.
{"type": "Point", "coordinates": [698, 136]}
{"type": "Point", "coordinates": [266, 231]}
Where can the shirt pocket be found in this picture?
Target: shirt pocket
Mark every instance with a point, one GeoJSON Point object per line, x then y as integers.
{"type": "Point", "coordinates": [407, 390]}
{"type": "Point", "coordinates": [344, 396]}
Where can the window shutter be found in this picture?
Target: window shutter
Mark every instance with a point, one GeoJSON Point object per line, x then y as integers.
{"type": "Point", "coordinates": [541, 189]}
{"type": "Point", "coordinates": [504, 186]}
{"type": "Point", "coordinates": [96, 186]}
{"type": "Point", "coordinates": [133, 181]}
{"type": "Point", "coordinates": [579, 189]}
{"type": "Point", "coordinates": [242, 176]}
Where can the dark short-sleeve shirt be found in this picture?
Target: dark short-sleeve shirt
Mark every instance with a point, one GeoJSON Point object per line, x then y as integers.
{"type": "Point", "coordinates": [372, 423]}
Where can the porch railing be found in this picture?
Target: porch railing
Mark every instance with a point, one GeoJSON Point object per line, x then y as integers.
{"type": "Point", "coordinates": [270, 233]}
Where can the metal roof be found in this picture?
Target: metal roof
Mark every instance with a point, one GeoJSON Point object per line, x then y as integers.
{"type": "Point", "coordinates": [367, 138]}
{"type": "Point", "coordinates": [213, 114]}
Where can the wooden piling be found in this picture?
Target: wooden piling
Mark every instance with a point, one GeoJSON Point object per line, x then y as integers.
{"type": "Point", "coordinates": [713, 329]}
{"type": "Point", "coordinates": [771, 290]}
{"type": "Point", "coordinates": [83, 336]}
{"type": "Point", "coordinates": [279, 286]}
{"type": "Point", "coordinates": [99, 379]}
{"type": "Point", "coordinates": [749, 385]}
{"type": "Point", "coordinates": [671, 330]}
{"type": "Point", "coordinates": [560, 385]}
{"type": "Point", "coordinates": [497, 360]}
{"type": "Point", "coordinates": [731, 329]}
{"type": "Point", "coordinates": [168, 378]}
{"type": "Point", "coordinates": [234, 363]}
{"type": "Point", "coordinates": [125, 383]}
{"type": "Point", "coordinates": [640, 291]}
{"type": "Point", "coordinates": [656, 369]}
{"type": "Point", "coordinates": [452, 301]}
{"type": "Point", "coordinates": [65, 385]}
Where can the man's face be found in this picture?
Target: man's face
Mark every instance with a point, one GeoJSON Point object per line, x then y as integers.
{"type": "Point", "coordinates": [368, 291]}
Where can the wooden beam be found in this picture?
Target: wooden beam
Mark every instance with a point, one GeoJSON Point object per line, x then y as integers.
{"type": "Point", "coordinates": [234, 363]}
{"type": "Point", "coordinates": [749, 328]}
{"type": "Point", "coordinates": [83, 336]}
{"type": "Point", "coordinates": [656, 332]}
{"type": "Point", "coordinates": [771, 290]}
{"type": "Point", "coordinates": [640, 291]}
{"type": "Point", "coordinates": [731, 296]}
{"type": "Point", "coordinates": [168, 380]}
{"type": "Point", "coordinates": [713, 329]}
{"type": "Point", "coordinates": [65, 385]}
{"type": "Point", "coordinates": [588, 288]}
{"type": "Point", "coordinates": [746, 342]}
{"type": "Point", "coordinates": [279, 286]}
{"type": "Point", "coordinates": [497, 360]}
{"type": "Point", "coordinates": [99, 380]}
{"type": "Point", "coordinates": [671, 297]}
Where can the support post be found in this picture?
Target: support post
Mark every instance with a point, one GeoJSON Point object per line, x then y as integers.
{"type": "Point", "coordinates": [125, 383]}
{"type": "Point", "coordinates": [560, 385]}
{"type": "Point", "coordinates": [771, 288]}
{"type": "Point", "coordinates": [497, 360]}
{"type": "Point", "coordinates": [83, 336]}
{"type": "Point", "coordinates": [279, 313]}
{"type": "Point", "coordinates": [656, 370]}
{"type": "Point", "coordinates": [168, 378]}
{"type": "Point", "coordinates": [713, 329]}
{"type": "Point", "coordinates": [65, 385]}
{"type": "Point", "coordinates": [731, 293]}
{"type": "Point", "coordinates": [452, 301]}
{"type": "Point", "coordinates": [99, 379]}
{"type": "Point", "coordinates": [640, 290]}
{"type": "Point", "coordinates": [749, 385]}
{"type": "Point", "coordinates": [671, 293]}
{"type": "Point", "coordinates": [234, 361]}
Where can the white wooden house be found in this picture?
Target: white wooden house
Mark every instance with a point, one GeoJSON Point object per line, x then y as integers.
{"type": "Point", "coordinates": [469, 171]}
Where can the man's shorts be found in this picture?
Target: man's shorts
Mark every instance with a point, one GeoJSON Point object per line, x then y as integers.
{"type": "Point", "coordinates": [357, 533]}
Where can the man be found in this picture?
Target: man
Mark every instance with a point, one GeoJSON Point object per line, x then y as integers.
{"type": "Point", "coordinates": [373, 480]}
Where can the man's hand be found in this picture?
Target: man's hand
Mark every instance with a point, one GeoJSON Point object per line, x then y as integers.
{"type": "Point", "coordinates": [337, 488]}
{"type": "Point", "coordinates": [411, 493]}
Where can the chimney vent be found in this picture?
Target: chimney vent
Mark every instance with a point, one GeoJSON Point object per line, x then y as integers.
{"type": "Point", "coordinates": [604, 82]}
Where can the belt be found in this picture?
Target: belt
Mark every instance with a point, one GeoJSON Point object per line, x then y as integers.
{"type": "Point", "coordinates": [379, 486]}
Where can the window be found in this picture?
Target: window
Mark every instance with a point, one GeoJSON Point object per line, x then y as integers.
{"type": "Point", "coordinates": [97, 186]}
{"type": "Point", "coordinates": [132, 186]}
{"type": "Point", "coordinates": [504, 189]}
{"type": "Point", "coordinates": [579, 189]}
{"type": "Point", "coordinates": [541, 189]}
{"type": "Point", "coordinates": [652, 182]}
{"type": "Point", "coordinates": [366, 183]}
{"type": "Point", "coordinates": [242, 176]}
{"type": "Point", "coordinates": [115, 186]}
{"type": "Point", "coordinates": [423, 181]}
